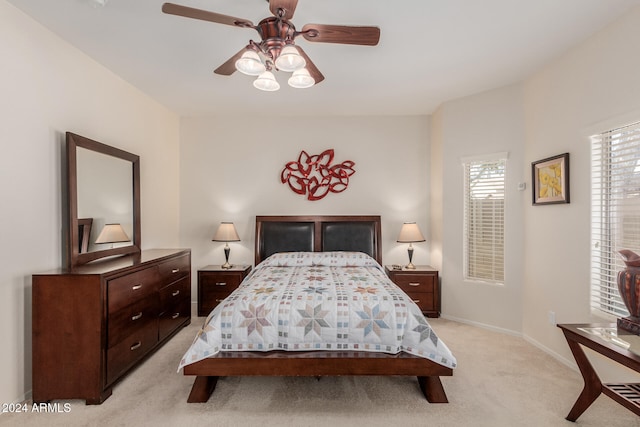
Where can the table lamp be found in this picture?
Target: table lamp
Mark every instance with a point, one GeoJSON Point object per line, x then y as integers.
{"type": "Point", "coordinates": [226, 233]}
{"type": "Point", "coordinates": [410, 233]}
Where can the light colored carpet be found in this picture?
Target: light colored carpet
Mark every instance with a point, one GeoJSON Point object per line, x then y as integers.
{"type": "Point", "coordinates": [501, 381]}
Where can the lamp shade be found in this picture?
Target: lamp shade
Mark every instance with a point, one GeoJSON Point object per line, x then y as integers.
{"type": "Point", "coordinates": [267, 82]}
{"type": "Point", "coordinates": [226, 233]}
{"type": "Point", "coordinates": [250, 64]}
{"type": "Point", "coordinates": [301, 79]}
{"type": "Point", "coordinates": [112, 233]}
{"type": "Point", "coordinates": [410, 233]}
{"type": "Point", "coordinates": [289, 59]}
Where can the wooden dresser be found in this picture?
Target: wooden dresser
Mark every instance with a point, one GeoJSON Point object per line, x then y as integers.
{"type": "Point", "coordinates": [93, 324]}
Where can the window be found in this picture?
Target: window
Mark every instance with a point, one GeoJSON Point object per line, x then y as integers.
{"type": "Point", "coordinates": [484, 186]}
{"type": "Point", "coordinates": [615, 212]}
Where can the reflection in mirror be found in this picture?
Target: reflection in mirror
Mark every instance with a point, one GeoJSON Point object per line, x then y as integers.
{"type": "Point", "coordinates": [104, 194]}
{"type": "Point", "coordinates": [103, 188]}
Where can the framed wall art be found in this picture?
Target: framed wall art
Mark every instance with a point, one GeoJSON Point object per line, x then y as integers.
{"type": "Point", "coordinates": [550, 180]}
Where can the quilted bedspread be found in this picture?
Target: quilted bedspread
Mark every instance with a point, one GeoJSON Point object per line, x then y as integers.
{"type": "Point", "coordinates": [308, 301]}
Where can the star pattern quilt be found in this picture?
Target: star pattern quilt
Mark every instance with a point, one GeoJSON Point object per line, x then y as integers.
{"type": "Point", "coordinates": [312, 301]}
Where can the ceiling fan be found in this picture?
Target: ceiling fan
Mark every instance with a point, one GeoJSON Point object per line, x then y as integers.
{"type": "Point", "coordinates": [277, 49]}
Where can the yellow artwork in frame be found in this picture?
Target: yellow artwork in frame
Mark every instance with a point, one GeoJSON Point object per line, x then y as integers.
{"type": "Point", "coordinates": [550, 179]}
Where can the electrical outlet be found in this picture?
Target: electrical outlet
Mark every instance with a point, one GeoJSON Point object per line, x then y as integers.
{"type": "Point", "coordinates": [552, 317]}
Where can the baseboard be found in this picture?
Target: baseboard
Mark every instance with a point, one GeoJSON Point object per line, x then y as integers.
{"type": "Point", "coordinates": [483, 325]}
{"type": "Point", "coordinates": [569, 363]}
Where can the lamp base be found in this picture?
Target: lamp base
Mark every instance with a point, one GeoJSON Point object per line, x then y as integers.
{"type": "Point", "coordinates": [410, 266]}
{"type": "Point", "coordinates": [226, 264]}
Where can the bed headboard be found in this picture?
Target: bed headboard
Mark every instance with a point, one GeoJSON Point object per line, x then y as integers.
{"type": "Point", "coordinates": [318, 233]}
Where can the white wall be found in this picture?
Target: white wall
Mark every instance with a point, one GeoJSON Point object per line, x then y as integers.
{"type": "Point", "coordinates": [48, 88]}
{"type": "Point", "coordinates": [231, 172]}
{"type": "Point", "coordinates": [591, 89]}
{"type": "Point", "coordinates": [482, 124]}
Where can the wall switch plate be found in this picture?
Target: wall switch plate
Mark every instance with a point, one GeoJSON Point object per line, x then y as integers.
{"type": "Point", "coordinates": [552, 317]}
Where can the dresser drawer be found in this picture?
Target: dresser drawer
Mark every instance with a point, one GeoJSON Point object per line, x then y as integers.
{"type": "Point", "coordinates": [425, 301]}
{"type": "Point", "coordinates": [130, 288]}
{"type": "Point", "coordinates": [223, 282]}
{"type": "Point", "coordinates": [174, 292]}
{"type": "Point", "coordinates": [174, 269]}
{"type": "Point", "coordinates": [131, 319]}
{"type": "Point", "coordinates": [412, 283]}
{"type": "Point", "coordinates": [176, 314]}
{"type": "Point", "coordinates": [131, 349]}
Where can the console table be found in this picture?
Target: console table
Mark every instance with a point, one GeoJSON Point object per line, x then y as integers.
{"type": "Point", "coordinates": [618, 345]}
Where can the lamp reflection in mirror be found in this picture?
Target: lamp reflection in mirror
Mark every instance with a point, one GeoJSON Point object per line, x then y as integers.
{"type": "Point", "coordinates": [226, 233]}
{"type": "Point", "coordinates": [112, 233]}
{"type": "Point", "coordinates": [410, 233]}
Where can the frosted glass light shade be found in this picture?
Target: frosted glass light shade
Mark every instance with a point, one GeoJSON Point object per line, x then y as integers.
{"type": "Point", "coordinates": [266, 81]}
{"type": "Point", "coordinates": [290, 60]}
{"type": "Point", "coordinates": [301, 79]}
{"type": "Point", "coordinates": [250, 64]}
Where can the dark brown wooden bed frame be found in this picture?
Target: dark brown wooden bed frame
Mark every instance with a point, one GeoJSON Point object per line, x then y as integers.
{"type": "Point", "coordinates": [316, 233]}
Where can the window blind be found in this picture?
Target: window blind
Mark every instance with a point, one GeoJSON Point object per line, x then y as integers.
{"type": "Point", "coordinates": [615, 212]}
{"type": "Point", "coordinates": [484, 220]}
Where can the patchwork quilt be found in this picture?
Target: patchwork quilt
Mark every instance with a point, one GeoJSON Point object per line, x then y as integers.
{"type": "Point", "coordinates": [308, 301]}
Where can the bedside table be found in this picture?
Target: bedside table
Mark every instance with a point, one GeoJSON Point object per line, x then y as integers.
{"type": "Point", "coordinates": [422, 286]}
{"type": "Point", "coordinates": [216, 283]}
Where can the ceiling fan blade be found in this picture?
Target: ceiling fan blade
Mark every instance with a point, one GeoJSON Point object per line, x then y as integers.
{"type": "Point", "coordinates": [288, 6]}
{"type": "Point", "coordinates": [229, 67]}
{"type": "Point", "coordinates": [368, 36]}
{"type": "Point", "coordinates": [204, 15]}
{"type": "Point", "coordinates": [311, 67]}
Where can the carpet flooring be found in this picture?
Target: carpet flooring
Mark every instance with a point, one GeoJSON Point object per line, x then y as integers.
{"type": "Point", "coordinates": [501, 380]}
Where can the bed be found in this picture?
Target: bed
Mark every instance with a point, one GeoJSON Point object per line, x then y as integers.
{"type": "Point", "coordinates": [276, 238]}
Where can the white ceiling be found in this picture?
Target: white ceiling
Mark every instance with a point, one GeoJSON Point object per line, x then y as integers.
{"type": "Point", "coordinates": [430, 51]}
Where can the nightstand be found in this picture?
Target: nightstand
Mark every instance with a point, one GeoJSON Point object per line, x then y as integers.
{"type": "Point", "coordinates": [422, 286]}
{"type": "Point", "coordinates": [216, 283]}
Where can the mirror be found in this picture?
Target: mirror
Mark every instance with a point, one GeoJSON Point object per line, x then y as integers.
{"type": "Point", "coordinates": [103, 190]}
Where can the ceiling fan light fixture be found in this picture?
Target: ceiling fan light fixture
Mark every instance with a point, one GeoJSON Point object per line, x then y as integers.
{"type": "Point", "coordinates": [250, 64]}
{"type": "Point", "coordinates": [301, 79]}
{"type": "Point", "coordinates": [290, 59]}
{"type": "Point", "coordinates": [267, 82]}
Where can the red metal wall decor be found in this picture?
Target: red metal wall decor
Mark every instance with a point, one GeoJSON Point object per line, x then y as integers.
{"type": "Point", "coordinates": [315, 177]}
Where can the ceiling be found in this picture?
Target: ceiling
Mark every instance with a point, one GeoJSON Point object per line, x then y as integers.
{"type": "Point", "coordinates": [430, 51]}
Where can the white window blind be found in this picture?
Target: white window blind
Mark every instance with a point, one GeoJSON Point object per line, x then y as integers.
{"type": "Point", "coordinates": [484, 220]}
{"type": "Point", "coordinates": [615, 212]}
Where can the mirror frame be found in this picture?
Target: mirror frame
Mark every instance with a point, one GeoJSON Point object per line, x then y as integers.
{"type": "Point", "coordinates": [74, 257]}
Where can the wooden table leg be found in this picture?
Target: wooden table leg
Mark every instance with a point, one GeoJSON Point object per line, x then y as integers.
{"type": "Point", "coordinates": [592, 385]}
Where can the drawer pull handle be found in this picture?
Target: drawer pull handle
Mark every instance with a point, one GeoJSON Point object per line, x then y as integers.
{"type": "Point", "coordinates": [416, 301]}
{"type": "Point", "coordinates": [175, 270]}
{"type": "Point", "coordinates": [136, 346]}
{"type": "Point", "coordinates": [219, 300]}
{"type": "Point", "coordinates": [414, 284]}
{"type": "Point", "coordinates": [137, 316]}
{"type": "Point", "coordinates": [176, 293]}
{"type": "Point", "coordinates": [136, 287]}
{"type": "Point", "coordinates": [175, 316]}
{"type": "Point", "coordinates": [221, 283]}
